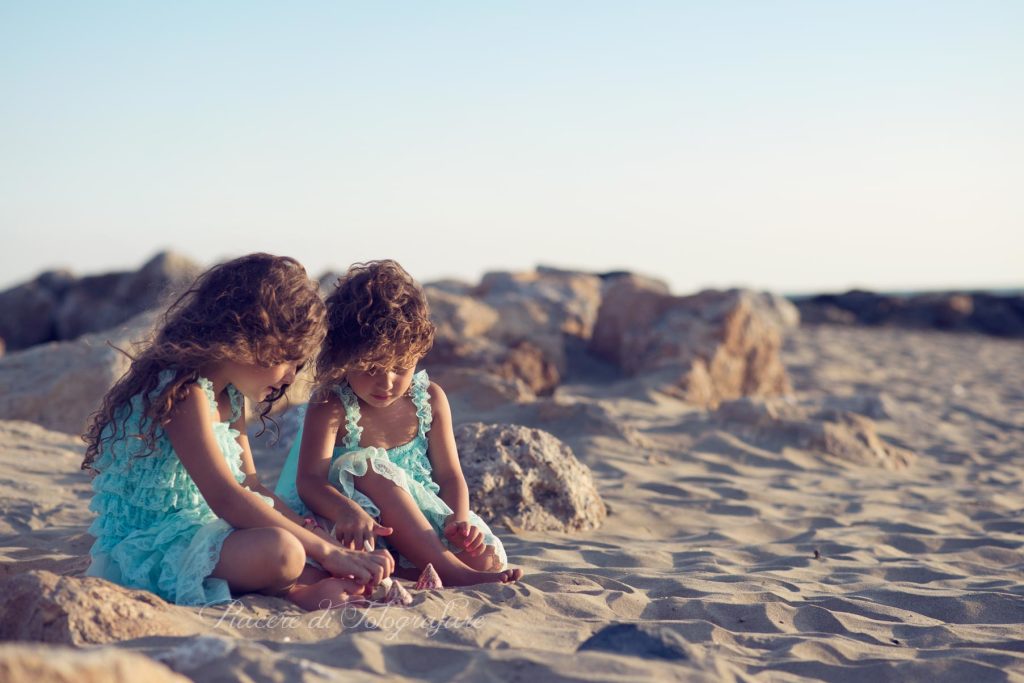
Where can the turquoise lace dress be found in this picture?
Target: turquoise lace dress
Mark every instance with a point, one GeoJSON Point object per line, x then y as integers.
{"type": "Point", "coordinates": [406, 465]}
{"type": "Point", "coordinates": [153, 528]}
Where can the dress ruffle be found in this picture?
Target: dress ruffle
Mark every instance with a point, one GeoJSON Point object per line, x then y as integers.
{"type": "Point", "coordinates": [154, 530]}
{"type": "Point", "coordinates": [406, 465]}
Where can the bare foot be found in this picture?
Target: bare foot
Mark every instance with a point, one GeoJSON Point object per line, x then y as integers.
{"type": "Point", "coordinates": [486, 561]}
{"type": "Point", "coordinates": [330, 593]}
{"type": "Point", "coordinates": [471, 577]}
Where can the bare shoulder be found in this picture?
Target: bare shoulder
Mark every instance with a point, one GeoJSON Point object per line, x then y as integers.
{"type": "Point", "coordinates": [325, 410]}
{"type": "Point", "coordinates": [438, 401]}
{"type": "Point", "coordinates": [192, 408]}
{"type": "Point", "coordinates": [188, 413]}
{"type": "Point", "coordinates": [436, 395]}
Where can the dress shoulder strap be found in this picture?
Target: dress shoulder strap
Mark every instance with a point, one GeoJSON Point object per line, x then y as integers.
{"type": "Point", "coordinates": [237, 402]}
{"type": "Point", "coordinates": [421, 399]}
{"type": "Point", "coordinates": [353, 432]}
{"type": "Point", "coordinates": [207, 387]}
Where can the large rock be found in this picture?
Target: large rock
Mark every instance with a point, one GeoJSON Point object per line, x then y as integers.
{"type": "Point", "coordinates": [471, 390]}
{"type": "Point", "coordinates": [705, 348]}
{"type": "Point", "coordinates": [458, 316]}
{"type": "Point", "coordinates": [28, 312]}
{"type": "Point", "coordinates": [49, 664]}
{"type": "Point", "coordinates": [778, 309]}
{"type": "Point", "coordinates": [1000, 315]}
{"type": "Point", "coordinates": [41, 606]}
{"type": "Point", "coordinates": [528, 478]}
{"type": "Point", "coordinates": [60, 384]}
{"type": "Point", "coordinates": [774, 424]}
{"type": "Point", "coordinates": [56, 306]}
{"type": "Point", "coordinates": [514, 325]}
{"type": "Point", "coordinates": [520, 361]}
{"type": "Point", "coordinates": [100, 302]}
{"type": "Point", "coordinates": [556, 301]}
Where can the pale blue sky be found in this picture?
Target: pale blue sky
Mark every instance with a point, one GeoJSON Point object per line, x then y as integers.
{"type": "Point", "coordinates": [785, 145]}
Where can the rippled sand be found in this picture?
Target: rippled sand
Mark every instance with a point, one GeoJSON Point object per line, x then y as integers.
{"type": "Point", "coordinates": [759, 564]}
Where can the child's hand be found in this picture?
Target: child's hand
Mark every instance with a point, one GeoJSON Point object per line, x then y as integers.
{"type": "Point", "coordinates": [358, 531]}
{"type": "Point", "coordinates": [366, 568]}
{"type": "Point", "coordinates": [464, 535]}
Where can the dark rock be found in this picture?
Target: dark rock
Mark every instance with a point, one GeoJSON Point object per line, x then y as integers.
{"type": "Point", "coordinates": [638, 640]}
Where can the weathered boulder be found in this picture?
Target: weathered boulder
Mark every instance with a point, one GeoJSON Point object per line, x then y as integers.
{"type": "Point", "coordinates": [41, 606]}
{"type": "Point", "coordinates": [60, 384]}
{"type": "Point", "coordinates": [778, 309]}
{"type": "Point", "coordinates": [470, 390]}
{"type": "Point", "coordinates": [457, 316]}
{"type": "Point", "coordinates": [527, 477]}
{"type": "Point", "coordinates": [100, 302]}
{"type": "Point", "coordinates": [996, 314]}
{"type": "Point", "coordinates": [56, 306]}
{"type": "Point", "coordinates": [706, 348]}
{"type": "Point", "coordinates": [547, 299]}
{"type": "Point", "coordinates": [519, 361]}
{"type": "Point", "coordinates": [774, 425]}
{"type": "Point", "coordinates": [28, 311]}
{"type": "Point", "coordinates": [514, 325]}
{"type": "Point", "coordinates": [30, 663]}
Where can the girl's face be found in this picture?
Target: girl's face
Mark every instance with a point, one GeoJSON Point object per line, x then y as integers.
{"type": "Point", "coordinates": [257, 382]}
{"type": "Point", "coordinates": [380, 387]}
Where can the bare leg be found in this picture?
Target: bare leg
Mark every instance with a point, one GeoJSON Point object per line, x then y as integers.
{"type": "Point", "coordinates": [264, 560]}
{"type": "Point", "coordinates": [414, 538]}
{"type": "Point", "coordinates": [316, 589]}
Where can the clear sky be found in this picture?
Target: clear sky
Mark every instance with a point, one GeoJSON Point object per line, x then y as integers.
{"type": "Point", "coordinates": [793, 146]}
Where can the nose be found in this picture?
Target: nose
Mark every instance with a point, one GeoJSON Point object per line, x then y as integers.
{"type": "Point", "coordinates": [289, 377]}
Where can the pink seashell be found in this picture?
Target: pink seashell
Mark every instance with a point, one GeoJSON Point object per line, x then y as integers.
{"type": "Point", "coordinates": [397, 595]}
{"type": "Point", "coordinates": [429, 579]}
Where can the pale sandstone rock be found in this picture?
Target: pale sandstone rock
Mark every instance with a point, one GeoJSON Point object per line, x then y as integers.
{"type": "Point", "coordinates": [549, 298]}
{"type": "Point", "coordinates": [41, 606]}
{"type": "Point", "coordinates": [479, 390]}
{"type": "Point", "coordinates": [706, 348]}
{"type": "Point", "coordinates": [520, 361]}
{"type": "Point", "coordinates": [527, 477]}
{"type": "Point", "coordinates": [48, 664]}
{"type": "Point", "coordinates": [459, 315]}
{"type": "Point", "coordinates": [59, 385]}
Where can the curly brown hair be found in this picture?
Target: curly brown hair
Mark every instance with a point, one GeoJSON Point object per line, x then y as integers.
{"type": "Point", "coordinates": [258, 309]}
{"type": "Point", "coordinates": [377, 316]}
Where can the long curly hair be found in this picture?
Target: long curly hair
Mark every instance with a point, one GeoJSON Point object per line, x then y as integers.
{"type": "Point", "coordinates": [258, 309]}
{"type": "Point", "coordinates": [377, 316]}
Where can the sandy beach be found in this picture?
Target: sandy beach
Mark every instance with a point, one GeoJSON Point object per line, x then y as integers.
{"type": "Point", "coordinates": [727, 553]}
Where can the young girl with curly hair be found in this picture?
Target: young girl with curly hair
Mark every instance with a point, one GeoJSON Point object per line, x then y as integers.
{"type": "Point", "coordinates": [180, 510]}
{"type": "Point", "coordinates": [376, 456]}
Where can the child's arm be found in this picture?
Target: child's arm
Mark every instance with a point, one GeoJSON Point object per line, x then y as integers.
{"type": "Point", "coordinates": [447, 472]}
{"type": "Point", "coordinates": [190, 431]}
{"type": "Point", "coordinates": [353, 527]}
{"type": "Point", "coordinates": [252, 479]}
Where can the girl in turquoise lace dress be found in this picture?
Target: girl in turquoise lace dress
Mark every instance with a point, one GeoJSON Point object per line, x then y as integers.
{"type": "Point", "coordinates": [180, 511]}
{"type": "Point", "coordinates": [376, 456]}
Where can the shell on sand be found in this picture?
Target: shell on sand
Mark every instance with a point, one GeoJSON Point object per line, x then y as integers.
{"type": "Point", "coordinates": [429, 579]}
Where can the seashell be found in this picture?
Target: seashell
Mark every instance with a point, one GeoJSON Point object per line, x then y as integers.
{"type": "Point", "coordinates": [429, 579]}
{"type": "Point", "coordinates": [397, 595]}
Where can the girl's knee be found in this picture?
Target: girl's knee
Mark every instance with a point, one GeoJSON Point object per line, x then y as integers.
{"type": "Point", "coordinates": [284, 557]}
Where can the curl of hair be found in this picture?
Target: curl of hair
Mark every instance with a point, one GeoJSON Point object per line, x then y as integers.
{"type": "Point", "coordinates": [377, 316]}
{"type": "Point", "coordinates": [257, 309]}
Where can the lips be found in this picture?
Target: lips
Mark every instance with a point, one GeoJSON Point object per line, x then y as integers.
{"type": "Point", "coordinates": [380, 397]}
